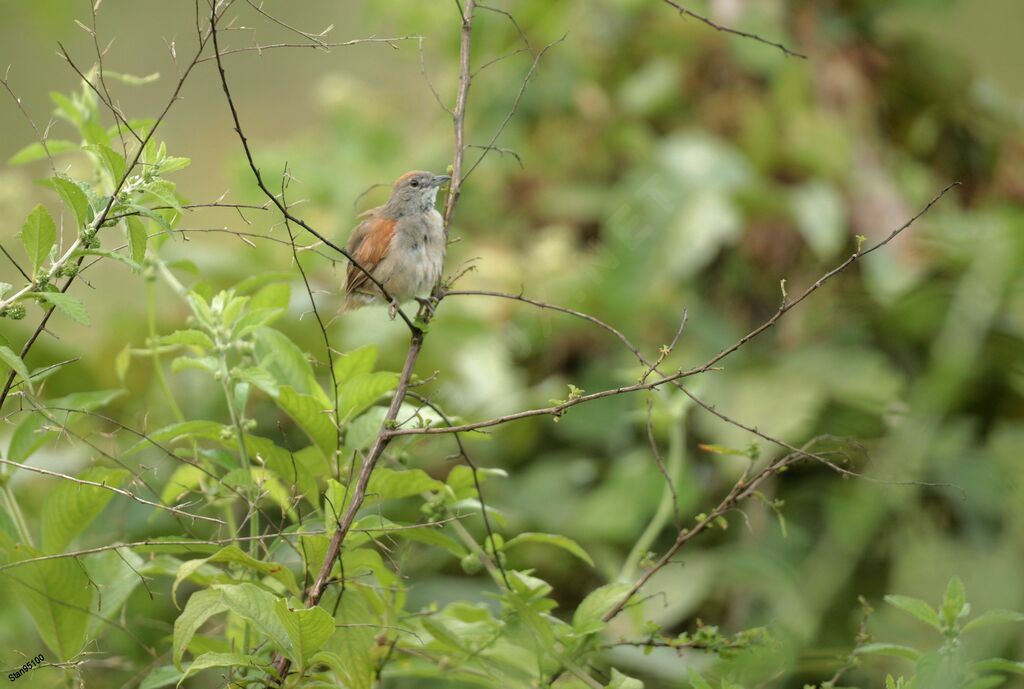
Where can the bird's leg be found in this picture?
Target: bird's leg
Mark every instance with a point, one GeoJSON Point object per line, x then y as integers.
{"type": "Point", "coordinates": [392, 309]}
{"type": "Point", "coordinates": [426, 305]}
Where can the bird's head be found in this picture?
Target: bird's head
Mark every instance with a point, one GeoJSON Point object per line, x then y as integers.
{"type": "Point", "coordinates": [415, 192]}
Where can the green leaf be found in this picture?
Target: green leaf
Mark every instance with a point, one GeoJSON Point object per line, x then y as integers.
{"type": "Point", "coordinates": [185, 478]}
{"type": "Point", "coordinates": [70, 507]}
{"type": "Point", "coordinates": [551, 539]}
{"type": "Point", "coordinates": [122, 361]}
{"type": "Point", "coordinates": [587, 618]}
{"type": "Point", "coordinates": [188, 338]}
{"type": "Point", "coordinates": [57, 595]}
{"type": "Point", "coordinates": [164, 191]}
{"type": "Point", "coordinates": [999, 665]}
{"type": "Point", "coordinates": [298, 470]}
{"type": "Point", "coordinates": [115, 575]}
{"type": "Point", "coordinates": [621, 681]}
{"type": "Point", "coordinates": [137, 238]}
{"type": "Point", "coordinates": [460, 479]}
{"type": "Point", "coordinates": [197, 428]}
{"type": "Point", "coordinates": [28, 437]}
{"type": "Point", "coordinates": [308, 629]}
{"type": "Point", "coordinates": [911, 654]}
{"type": "Point", "coordinates": [16, 364]}
{"type": "Point", "coordinates": [74, 198]}
{"type": "Point", "coordinates": [259, 279]}
{"type": "Point", "coordinates": [34, 152]}
{"type": "Point", "coordinates": [211, 659]}
{"type": "Point", "coordinates": [259, 378]}
{"type": "Point", "coordinates": [113, 162]}
{"type": "Point", "coordinates": [356, 362]}
{"type": "Point", "coordinates": [954, 601]}
{"type": "Point", "coordinates": [276, 295]}
{"type": "Point", "coordinates": [163, 676]}
{"type": "Point", "coordinates": [201, 606]}
{"type": "Point", "coordinates": [234, 555]}
{"type": "Point", "coordinates": [697, 681]}
{"type": "Point", "coordinates": [115, 255]}
{"type": "Point", "coordinates": [284, 360]}
{"type": "Point", "coordinates": [311, 415]}
{"type": "Point", "coordinates": [253, 320]}
{"type": "Point", "coordinates": [252, 603]}
{"type": "Point", "coordinates": [391, 484]}
{"type": "Point", "coordinates": [66, 304]}
{"type": "Point", "coordinates": [375, 525]}
{"type": "Point", "coordinates": [359, 392]}
{"type": "Point", "coordinates": [916, 607]}
{"type": "Point", "coordinates": [173, 164]}
{"type": "Point", "coordinates": [38, 236]}
{"type": "Point", "coordinates": [993, 617]}
{"type": "Point", "coordinates": [209, 364]}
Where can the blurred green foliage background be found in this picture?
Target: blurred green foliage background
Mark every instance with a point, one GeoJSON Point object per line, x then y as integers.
{"type": "Point", "coordinates": [664, 166]}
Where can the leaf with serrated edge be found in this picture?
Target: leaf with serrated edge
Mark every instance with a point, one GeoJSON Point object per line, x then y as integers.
{"type": "Point", "coordinates": [38, 235]}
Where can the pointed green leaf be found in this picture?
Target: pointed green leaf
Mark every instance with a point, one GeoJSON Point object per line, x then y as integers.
{"type": "Point", "coordinates": [38, 236]}
{"type": "Point", "coordinates": [954, 601]}
{"type": "Point", "coordinates": [551, 539]}
{"type": "Point", "coordinates": [66, 304]}
{"type": "Point", "coordinates": [916, 607]}
{"type": "Point", "coordinates": [698, 682]}
{"type": "Point", "coordinates": [894, 650]}
{"type": "Point", "coordinates": [355, 363]}
{"type": "Point", "coordinates": [391, 484]}
{"type": "Point", "coordinates": [359, 392]}
{"type": "Point", "coordinates": [234, 555]}
{"type": "Point", "coordinates": [28, 437]}
{"type": "Point", "coordinates": [621, 681]}
{"type": "Point", "coordinates": [284, 360]}
{"type": "Point", "coordinates": [211, 659]}
{"type": "Point", "coordinates": [188, 338]}
{"type": "Point", "coordinates": [70, 507]}
{"type": "Point", "coordinates": [256, 605]}
{"type": "Point", "coordinates": [307, 628]}
{"type": "Point", "coordinates": [34, 152]}
{"type": "Point", "coordinates": [163, 676]}
{"type": "Point", "coordinates": [15, 363]}
{"type": "Point", "coordinates": [311, 415]}
{"type": "Point", "coordinates": [137, 238]}
{"type": "Point", "coordinates": [587, 618]}
{"type": "Point", "coordinates": [74, 198]}
{"type": "Point", "coordinates": [113, 162]}
{"type": "Point", "coordinates": [57, 595]}
{"type": "Point", "coordinates": [993, 617]}
{"type": "Point", "coordinates": [116, 575]}
{"type": "Point", "coordinates": [201, 606]}
{"type": "Point", "coordinates": [999, 665]}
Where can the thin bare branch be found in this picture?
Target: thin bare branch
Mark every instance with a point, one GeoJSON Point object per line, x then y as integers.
{"type": "Point", "coordinates": [735, 32]}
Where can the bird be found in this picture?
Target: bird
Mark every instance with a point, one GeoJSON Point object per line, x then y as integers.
{"type": "Point", "coordinates": [401, 244]}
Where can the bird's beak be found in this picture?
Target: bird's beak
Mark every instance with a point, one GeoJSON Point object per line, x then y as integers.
{"type": "Point", "coordinates": [440, 179]}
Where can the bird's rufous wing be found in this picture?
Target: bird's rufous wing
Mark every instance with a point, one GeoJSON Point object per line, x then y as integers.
{"type": "Point", "coordinates": [368, 245]}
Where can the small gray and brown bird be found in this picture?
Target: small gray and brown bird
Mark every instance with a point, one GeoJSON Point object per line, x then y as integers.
{"type": "Point", "coordinates": [401, 244]}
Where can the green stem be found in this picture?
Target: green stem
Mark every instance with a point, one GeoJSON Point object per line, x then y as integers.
{"type": "Point", "coordinates": [158, 368]}
{"type": "Point", "coordinates": [243, 451]}
{"type": "Point", "coordinates": [485, 557]}
{"type": "Point", "coordinates": [13, 509]}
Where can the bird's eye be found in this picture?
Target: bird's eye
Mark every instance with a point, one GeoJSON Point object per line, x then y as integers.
{"type": "Point", "coordinates": [414, 183]}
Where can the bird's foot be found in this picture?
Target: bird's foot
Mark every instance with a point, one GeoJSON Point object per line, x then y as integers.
{"type": "Point", "coordinates": [392, 309]}
{"type": "Point", "coordinates": [427, 305]}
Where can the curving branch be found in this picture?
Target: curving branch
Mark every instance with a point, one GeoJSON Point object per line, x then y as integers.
{"type": "Point", "coordinates": [735, 32]}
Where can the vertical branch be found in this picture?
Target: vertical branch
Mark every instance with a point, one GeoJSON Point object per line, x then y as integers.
{"type": "Point", "coordinates": [316, 591]}
{"type": "Point", "coordinates": [459, 114]}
